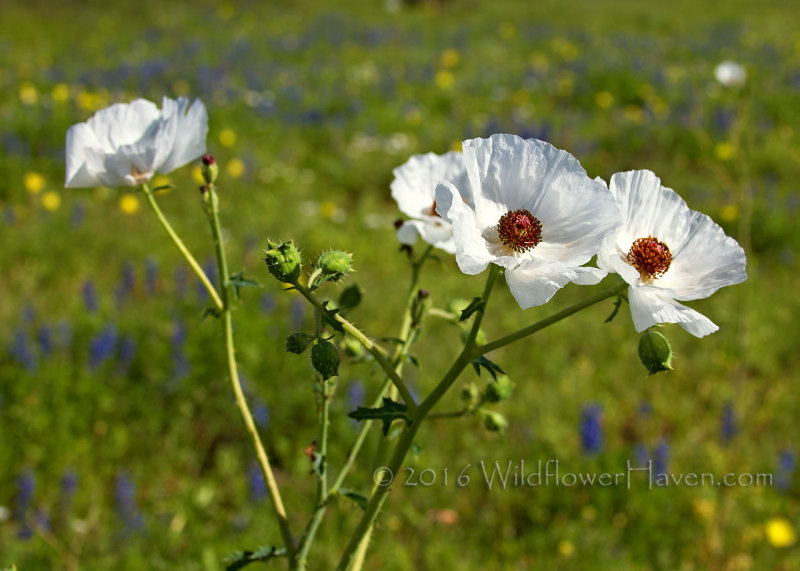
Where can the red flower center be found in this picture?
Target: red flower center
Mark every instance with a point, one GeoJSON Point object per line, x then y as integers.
{"type": "Point", "coordinates": [650, 256]}
{"type": "Point", "coordinates": [519, 230]}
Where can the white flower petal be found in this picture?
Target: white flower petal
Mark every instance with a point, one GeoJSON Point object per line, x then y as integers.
{"type": "Point", "coordinates": [80, 138]}
{"type": "Point", "coordinates": [536, 282]}
{"type": "Point", "coordinates": [510, 173]}
{"type": "Point", "coordinates": [407, 233]}
{"type": "Point", "coordinates": [185, 129]}
{"type": "Point", "coordinates": [414, 184]}
{"type": "Point", "coordinates": [707, 261]}
{"type": "Point", "coordinates": [471, 250]}
{"type": "Point", "coordinates": [648, 308]}
{"type": "Point", "coordinates": [125, 123]}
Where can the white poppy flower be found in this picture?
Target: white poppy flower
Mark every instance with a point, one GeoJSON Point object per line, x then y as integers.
{"type": "Point", "coordinates": [730, 74]}
{"type": "Point", "coordinates": [126, 143]}
{"type": "Point", "coordinates": [667, 252]}
{"type": "Point", "coordinates": [414, 187]}
{"type": "Point", "coordinates": [531, 209]}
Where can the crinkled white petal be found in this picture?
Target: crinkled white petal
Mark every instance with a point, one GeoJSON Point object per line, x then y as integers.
{"type": "Point", "coordinates": [185, 128]}
{"type": "Point", "coordinates": [648, 308]}
{"type": "Point", "coordinates": [509, 173]}
{"type": "Point", "coordinates": [434, 231]}
{"type": "Point", "coordinates": [472, 254]}
{"type": "Point", "coordinates": [414, 184]}
{"type": "Point", "coordinates": [125, 123]}
{"type": "Point", "coordinates": [536, 282]}
{"type": "Point", "coordinates": [80, 138]}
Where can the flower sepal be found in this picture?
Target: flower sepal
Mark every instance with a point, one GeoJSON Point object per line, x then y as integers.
{"type": "Point", "coordinates": [655, 352]}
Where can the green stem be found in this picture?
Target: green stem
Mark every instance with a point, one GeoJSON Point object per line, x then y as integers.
{"type": "Point", "coordinates": [546, 322]}
{"type": "Point", "coordinates": [201, 275]}
{"type": "Point", "coordinates": [409, 432]}
{"type": "Point", "coordinates": [376, 351]}
{"type": "Point", "coordinates": [233, 372]}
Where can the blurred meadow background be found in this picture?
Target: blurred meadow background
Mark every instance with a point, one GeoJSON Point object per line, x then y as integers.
{"type": "Point", "coordinates": [120, 446]}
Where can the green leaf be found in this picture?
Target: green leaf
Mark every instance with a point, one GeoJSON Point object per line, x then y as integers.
{"type": "Point", "coordinates": [617, 303]}
{"type": "Point", "coordinates": [488, 365]}
{"type": "Point", "coordinates": [476, 304]}
{"type": "Point", "coordinates": [329, 317]}
{"type": "Point", "coordinates": [163, 187]}
{"type": "Point", "coordinates": [359, 499]}
{"type": "Point", "coordinates": [238, 281]}
{"type": "Point", "coordinates": [389, 412]}
{"type": "Point", "coordinates": [413, 360]}
{"type": "Point", "coordinates": [211, 312]}
{"type": "Point", "coordinates": [350, 298]}
{"type": "Point", "coordinates": [241, 559]}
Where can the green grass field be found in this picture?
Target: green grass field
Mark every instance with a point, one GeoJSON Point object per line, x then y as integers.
{"type": "Point", "coordinates": [120, 446]}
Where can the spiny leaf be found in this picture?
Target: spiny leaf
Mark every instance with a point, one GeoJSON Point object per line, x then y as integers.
{"type": "Point", "coordinates": [359, 499]}
{"type": "Point", "coordinates": [488, 365]}
{"type": "Point", "coordinates": [389, 412]}
{"type": "Point", "coordinates": [211, 312]}
{"type": "Point", "coordinates": [476, 304]}
{"type": "Point", "coordinates": [238, 281]}
{"type": "Point", "coordinates": [241, 559]}
{"type": "Point", "coordinates": [617, 303]}
{"type": "Point", "coordinates": [329, 317]}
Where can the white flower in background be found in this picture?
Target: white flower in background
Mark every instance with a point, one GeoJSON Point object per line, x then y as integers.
{"type": "Point", "coordinates": [126, 143]}
{"type": "Point", "coordinates": [667, 252]}
{"type": "Point", "coordinates": [730, 74]}
{"type": "Point", "coordinates": [530, 208]}
{"type": "Point", "coordinates": [414, 187]}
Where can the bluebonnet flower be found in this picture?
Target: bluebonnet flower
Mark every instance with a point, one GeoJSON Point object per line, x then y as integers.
{"type": "Point", "coordinates": [661, 460]}
{"type": "Point", "coordinates": [127, 282]}
{"type": "Point", "coordinates": [102, 346]}
{"type": "Point", "coordinates": [261, 414]}
{"type": "Point", "coordinates": [26, 485]}
{"type": "Point", "coordinates": [28, 314]}
{"type": "Point", "coordinates": [89, 294]}
{"type": "Point", "coordinates": [640, 455]}
{"type": "Point", "coordinates": [127, 352]}
{"type": "Point", "coordinates": [44, 336]}
{"type": "Point", "coordinates": [125, 504]}
{"type": "Point", "coordinates": [43, 520]}
{"type": "Point", "coordinates": [298, 313]}
{"type": "Point", "coordinates": [21, 350]}
{"type": "Point", "coordinates": [787, 462]}
{"type": "Point", "coordinates": [591, 429]}
{"type": "Point", "coordinates": [267, 303]}
{"type": "Point", "coordinates": [356, 393]}
{"type": "Point", "coordinates": [78, 214]}
{"type": "Point", "coordinates": [728, 424]}
{"type": "Point", "coordinates": [151, 275]}
{"type": "Point", "coordinates": [258, 487]}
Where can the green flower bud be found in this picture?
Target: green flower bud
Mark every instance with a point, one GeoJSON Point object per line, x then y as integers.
{"type": "Point", "coordinates": [456, 306]}
{"type": "Point", "coordinates": [298, 342]}
{"type": "Point", "coordinates": [352, 347]}
{"type": "Point", "coordinates": [480, 337]}
{"type": "Point", "coordinates": [210, 169]}
{"type": "Point", "coordinates": [470, 393]}
{"type": "Point", "coordinates": [335, 264]}
{"type": "Point", "coordinates": [499, 389]}
{"type": "Point", "coordinates": [325, 358]}
{"type": "Point", "coordinates": [655, 352]}
{"type": "Point", "coordinates": [283, 261]}
{"type": "Point", "coordinates": [494, 421]}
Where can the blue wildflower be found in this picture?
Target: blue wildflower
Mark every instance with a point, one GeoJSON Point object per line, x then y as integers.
{"type": "Point", "coordinates": [102, 346]}
{"type": "Point", "coordinates": [787, 462]}
{"type": "Point", "coordinates": [728, 424]}
{"type": "Point", "coordinates": [21, 350]}
{"type": "Point", "coordinates": [89, 294]}
{"type": "Point", "coordinates": [26, 485]}
{"type": "Point", "coordinates": [661, 460]}
{"type": "Point", "coordinates": [44, 337]}
{"type": "Point", "coordinates": [258, 487]}
{"type": "Point", "coordinates": [151, 275]}
{"type": "Point", "coordinates": [591, 429]}
{"type": "Point", "coordinates": [125, 505]}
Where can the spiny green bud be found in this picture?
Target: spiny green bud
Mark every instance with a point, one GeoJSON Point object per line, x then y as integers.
{"type": "Point", "coordinates": [470, 393]}
{"type": "Point", "coordinates": [352, 347]}
{"type": "Point", "coordinates": [494, 421]}
{"type": "Point", "coordinates": [298, 342]}
{"type": "Point", "coordinates": [210, 169]}
{"type": "Point", "coordinates": [456, 306]}
{"type": "Point", "coordinates": [283, 261]}
{"type": "Point", "coordinates": [499, 389]}
{"type": "Point", "coordinates": [655, 352]}
{"type": "Point", "coordinates": [335, 264]}
{"type": "Point", "coordinates": [325, 358]}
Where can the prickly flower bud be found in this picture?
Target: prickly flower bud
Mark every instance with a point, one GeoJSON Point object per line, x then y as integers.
{"type": "Point", "coordinates": [283, 261]}
{"type": "Point", "coordinates": [298, 342]}
{"type": "Point", "coordinates": [210, 169]}
{"type": "Point", "coordinates": [470, 393]}
{"type": "Point", "coordinates": [499, 389]}
{"type": "Point", "coordinates": [494, 421]}
{"type": "Point", "coordinates": [655, 352]}
{"type": "Point", "coordinates": [335, 264]}
{"type": "Point", "coordinates": [325, 359]}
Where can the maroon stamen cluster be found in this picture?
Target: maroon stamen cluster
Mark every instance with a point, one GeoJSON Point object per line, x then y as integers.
{"type": "Point", "coordinates": [432, 211]}
{"type": "Point", "coordinates": [519, 230]}
{"type": "Point", "coordinates": [650, 256]}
